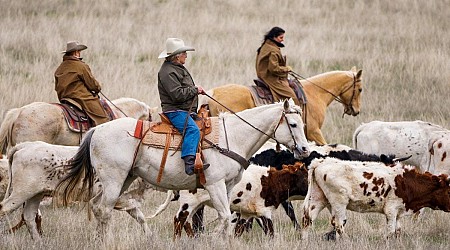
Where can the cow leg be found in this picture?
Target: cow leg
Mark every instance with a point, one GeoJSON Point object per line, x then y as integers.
{"type": "Point", "coordinates": [392, 224]}
{"type": "Point", "coordinates": [265, 224]}
{"type": "Point", "coordinates": [249, 224]}
{"type": "Point", "coordinates": [180, 220]}
{"type": "Point", "coordinates": [268, 225]}
{"type": "Point", "coordinates": [313, 204]}
{"type": "Point", "coordinates": [240, 227]}
{"type": "Point", "coordinates": [219, 199]}
{"type": "Point", "coordinates": [197, 221]}
{"type": "Point", "coordinates": [137, 214]}
{"type": "Point", "coordinates": [339, 219]}
{"type": "Point", "coordinates": [30, 212]}
{"type": "Point", "coordinates": [289, 209]}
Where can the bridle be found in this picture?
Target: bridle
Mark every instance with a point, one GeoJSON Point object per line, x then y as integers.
{"type": "Point", "coordinates": [337, 98]}
{"type": "Point", "coordinates": [283, 115]}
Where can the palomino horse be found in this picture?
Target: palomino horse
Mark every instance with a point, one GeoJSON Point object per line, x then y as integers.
{"type": "Point", "coordinates": [320, 90]}
{"type": "Point", "coordinates": [40, 121]}
{"type": "Point", "coordinates": [110, 151]}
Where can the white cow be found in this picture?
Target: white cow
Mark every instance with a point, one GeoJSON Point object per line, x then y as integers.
{"type": "Point", "coordinates": [406, 138]}
{"type": "Point", "coordinates": [363, 187]}
{"type": "Point", "coordinates": [36, 168]}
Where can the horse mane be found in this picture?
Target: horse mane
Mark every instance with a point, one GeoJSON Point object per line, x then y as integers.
{"type": "Point", "coordinates": [292, 105]}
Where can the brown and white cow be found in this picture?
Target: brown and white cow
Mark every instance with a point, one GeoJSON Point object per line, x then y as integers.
{"type": "Point", "coordinates": [405, 138]}
{"type": "Point", "coordinates": [261, 189]}
{"type": "Point", "coordinates": [36, 168]}
{"type": "Point", "coordinates": [395, 191]}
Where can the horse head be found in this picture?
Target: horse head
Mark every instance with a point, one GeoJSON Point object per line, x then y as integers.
{"type": "Point", "coordinates": [351, 95]}
{"type": "Point", "coordinates": [291, 129]}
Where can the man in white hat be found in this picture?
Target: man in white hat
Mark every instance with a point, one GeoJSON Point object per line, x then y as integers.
{"type": "Point", "coordinates": [179, 100]}
{"type": "Point", "coordinates": [74, 83]}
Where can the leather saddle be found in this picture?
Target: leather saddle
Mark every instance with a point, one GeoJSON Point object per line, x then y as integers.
{"type": "Point", "coordinates": [263, 92]}
{"type": "Point", "coordinates": [76, 118]}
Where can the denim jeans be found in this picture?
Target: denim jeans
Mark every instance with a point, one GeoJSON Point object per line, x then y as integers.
{"type": "Point", "coordinates": [192, 134]}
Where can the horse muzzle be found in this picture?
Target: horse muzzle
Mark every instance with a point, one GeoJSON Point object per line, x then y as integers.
{"type": "Point", "coordinates": [351, 111]}
{"type": "Point", "coordinates": [300, 152]}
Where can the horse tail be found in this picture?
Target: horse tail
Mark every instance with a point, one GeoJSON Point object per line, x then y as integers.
{"type": "Point", "coordinates": [163, 206]}
{"type": "Point", "coordinates": [79, 182]}
{"type": "Point", "coordinates": [6, 129]}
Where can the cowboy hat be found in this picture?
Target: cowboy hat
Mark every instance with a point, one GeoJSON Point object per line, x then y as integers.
{"type": "Point", "coordinates": [173, 47]}
{"type": "Point", "coordinates": [74, 46]}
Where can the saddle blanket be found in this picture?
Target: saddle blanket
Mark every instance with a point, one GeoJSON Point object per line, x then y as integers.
{"type": "Point", "coordinates": [158, 140]}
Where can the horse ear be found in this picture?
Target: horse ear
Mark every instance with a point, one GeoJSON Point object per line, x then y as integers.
{"type": "Point", "coordinates": [358, 75]}
{"type": "Point", "coordinates": [286, 105]}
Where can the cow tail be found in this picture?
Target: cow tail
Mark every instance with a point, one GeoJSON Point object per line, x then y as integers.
{"type": "Point", "coordinates": [78, 184]}
{"type": "Point", "coordinates": [355, 136]}
{"type": "Point", "coordinates": [163, 206]}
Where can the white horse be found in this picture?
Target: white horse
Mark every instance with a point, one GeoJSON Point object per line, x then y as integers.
{"type": "Point", "coordinates": [40, 121]}
{"type": "Point", "coordinates": [109, 149]}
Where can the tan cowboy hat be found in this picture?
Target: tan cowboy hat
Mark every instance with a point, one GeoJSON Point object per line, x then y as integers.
{"type": "Point", "coordinates": [74, 46]}
{"type": "Point", "coordinates": [173, 47]}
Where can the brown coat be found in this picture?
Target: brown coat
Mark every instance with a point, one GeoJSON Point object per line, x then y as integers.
{"type": "Point", "coordinates": [271, 68]}
{"type": "Point", "coordinates": [74, 82]}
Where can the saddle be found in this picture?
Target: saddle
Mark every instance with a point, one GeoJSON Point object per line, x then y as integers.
{"type": "Point", "coordinates": [165, 127]}
{"type": "Point", "coordinates": [262, 95]}
{"type": "Point", "coordinates": [76, 118]}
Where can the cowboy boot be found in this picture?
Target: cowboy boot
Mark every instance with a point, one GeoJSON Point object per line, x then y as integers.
{"type": "Point", "coordinates": [189, 164]}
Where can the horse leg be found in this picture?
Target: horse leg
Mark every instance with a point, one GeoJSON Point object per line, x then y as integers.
{"type": "Point", "coordinates": [102, 205]}
{"type": "Point", "coordinates": [316, 135]}
{"type": "Point", "coordinates": [30, 214]}
{"type": "Point", "coordinates": [219, 199]}
{"type": "Point", "coordinates": [289, 209]}
{"type": "Point", "coordinates": [197, 221]}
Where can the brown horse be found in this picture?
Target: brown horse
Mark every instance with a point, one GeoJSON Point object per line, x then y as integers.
{"type": "Point", "coordinates": [320, 90]}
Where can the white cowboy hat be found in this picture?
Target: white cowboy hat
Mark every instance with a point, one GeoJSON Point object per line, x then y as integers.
{"type": "Point", "coordinates": [173, 47]}
{"type": "Point", "coordinates": [74, 46]}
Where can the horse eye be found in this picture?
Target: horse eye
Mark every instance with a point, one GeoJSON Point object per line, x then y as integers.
{"type": "Point", "coordinates": [360, 90]}
{"type": "Point", "coordinates": [293, 125]}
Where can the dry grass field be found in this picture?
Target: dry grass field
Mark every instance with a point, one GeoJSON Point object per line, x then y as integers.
{"type": "Point", "coordinates": [402, 47]}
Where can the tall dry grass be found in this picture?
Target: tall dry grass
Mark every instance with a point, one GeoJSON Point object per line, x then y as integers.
{"type": "Point", "coordinates": [402, 47]}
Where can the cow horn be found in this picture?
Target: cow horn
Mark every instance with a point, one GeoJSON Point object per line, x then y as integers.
{"type": "Point", "coordinates": [402, 159]}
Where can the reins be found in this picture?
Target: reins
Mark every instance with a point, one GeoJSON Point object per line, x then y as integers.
{"type": "Point", "coordinates": [337, 98]}
{"type": "Point", "coordinates": [113, 104]}
{"type": "Point", "coordinates": [242, 119]}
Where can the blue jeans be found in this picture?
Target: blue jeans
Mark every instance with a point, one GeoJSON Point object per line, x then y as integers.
{"type": "Point", "coordinates": [192, 134]}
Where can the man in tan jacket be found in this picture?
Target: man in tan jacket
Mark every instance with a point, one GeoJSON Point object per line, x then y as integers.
{"type": "Point", "coordinates": [74, 83]}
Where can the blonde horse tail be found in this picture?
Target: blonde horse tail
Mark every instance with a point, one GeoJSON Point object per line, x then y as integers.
{"type": "Point", "coordinates": [6, 129]}
{"type": "Point", "coordinates": [79, 182]}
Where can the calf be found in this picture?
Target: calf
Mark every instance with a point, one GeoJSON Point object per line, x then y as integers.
{"type": "Point", "coordinates": [395, 191]}
{"type": "Point", "coordinates": [406, 138]}
{"type": "Point", "coordinates": [36, 168]}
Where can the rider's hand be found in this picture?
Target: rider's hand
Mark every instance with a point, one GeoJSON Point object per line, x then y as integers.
{"type": "Point", "coordinates": [200, 90]}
